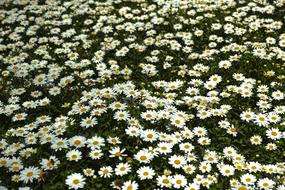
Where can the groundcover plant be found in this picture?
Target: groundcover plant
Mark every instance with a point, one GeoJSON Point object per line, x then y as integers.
{"type": "Point", "coordinates": [142, 94]}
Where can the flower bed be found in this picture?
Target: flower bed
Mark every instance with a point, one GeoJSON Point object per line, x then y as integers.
{"type": "Point", "coordinates": [142, 94]}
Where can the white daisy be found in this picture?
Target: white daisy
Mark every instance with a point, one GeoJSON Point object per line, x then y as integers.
{"type": "Point", "coordinates": [145, 172]}
{"type": "Point", "coordinates": [261, 120]}
{"type": "Point", "coordinates": [192, 186]}
{"type": "Point", "coordinates": [143, 156]}
{"type": "Point", "coordinates": [254, 166]}
{"type": "Point", "coordinates": [177, 161]}
{"type": "Point", "coordinates": [89, 122]}
{"type": "Point", "coordinates": [247, 115]}
{"type": "Point", "coordinates": [274, 133]}
{"type": "Point", "coordinates": [178, 181]}
{"type": "Point", "coordinates": [164, 148]}
{"type": "Point", "coordinates": [177, 121]}
{"type": "Point", "coordinates": [189, 168]}
{"type": "Point", "coordinates": [266, 183]}
{"type": "Point", "coordinates": [74, 155]}
{"type": "Point", "coordinates": [75, 181]}
{"type": "Point", "coordinates": [122, 169]}
{"type": "Point", "coordinates": [130, 185]}
{"type": "Point", "coordinates": [164, 181]}
{"type": "Point", "coordinates": [96, 154]}
{"type": "Point", "coordinates": [248, 179]}
{"type": "Point", "coordinates": [205, 167]}
{"type": "Point", "coordinates": [117, 152]}
{"type": "Point", "coordinates": [29, 174]}
{"type": "Point", "coordinates": [227, 170]}
{"type": "Point", "coordinates": [105, 171]}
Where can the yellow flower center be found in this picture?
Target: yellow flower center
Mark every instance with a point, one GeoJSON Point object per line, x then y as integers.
{"type": "Point", "coordinates": [76, 181]}
{"type": "Point", "coordinates": [178, 181]}
{"type": "Point", "coordinates": [29, 174]}
{"type": "Point", "coordinates": [177, 162]}
{"type": "Point", "coordinates": [145, 173]}
{"type": "Point", "coordinates": [165, 181]}
{"type": "Point", "coordinates": [118, 154]}
{"type": "Point", "coordinates": [242, 188]}
{"type": "Point", "coordinates": [149, 136]}
{"type": "Point", "coordinates": [77, 142]}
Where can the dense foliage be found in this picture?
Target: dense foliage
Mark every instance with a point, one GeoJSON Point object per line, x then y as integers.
{"type": "Point", "coordinates": [142, 94]}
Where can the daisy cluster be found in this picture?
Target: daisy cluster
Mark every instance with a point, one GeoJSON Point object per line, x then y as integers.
{"type": "Point", "coordinates": [142, 94]}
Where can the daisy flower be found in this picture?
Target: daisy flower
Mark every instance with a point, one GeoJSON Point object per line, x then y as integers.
{"type": "Point", "coordinates": [273, 117]}
{"type": "Point", "coordinates": [114, 140]}
{"type": "Point", "coordinates": [121, 115]}
{"type": "Point", "coordinates": [74, 155]}
{"type": "Point", "coordinates": [266, 183]}
{"type": "Point", "coordinates": [205, 167]}
{"type": "Point", "coordinates": [50, 164]}
{"type": "Point", "coordinates": [200, 131]}
{"type": "Point", "coordinates": [95, 142]}
{"type": "Point", "coordinates": [177, 161]}
{"type": "Point", "coordinates": [278, 95]}
{"type": "Point", "coordinates": [96, 154]}
{"type": "Point", "coordinates": [192, 186]}
{"type": "Point", "coordinates": [149, 115]}
{"type": "Point", "coordinates": [30, 174]}
{"type": "Point", "coordinates": [254, 166]}
{"type": "Point", "coordinates": [88, 172]}
{"type": "Point", "coordinates": [178, 181]}
{"type": "Point", "coordinates": [274, 133]}
{"type": "Point", "coordinates": [256, 140]}
{"type": "Point", "coordinates": [122, 169]}
{"type": "Point", "coordinates": [145, 172]}
{"type": "Point", "coordinates": [132, 131]}
{"type": "Point", "coordinates": [88, 122]}
{"type": "Point", "coordinates": [77, 141]}
{"type": "Point", "coordinates": [186, 147]}
{"type": "Point", "coordinates": [130, 185]}
{"type": "Point", "coordinates": [149, 135]}
{"type": "Point", "coordinates": [227, 170]}
{"type": "Point", "coordinates": [117, 152]}
{"type": "Point", "coordinates": [75, 181]}
{"type": "Point", "coordinates": [105, 171]}
{"type": "Point", "coordinates": [247, 115]}
{"type": "Point", "coordinates": [261, 120]}
{"type": "Point", "coordinates": [225, 64]}
{"type": "Point", "coordinates": [143, 156]}
{"type": "Point", "coordinates": [248, 179]}
{"type": "Point", "coordinates": [189, 168]}
{"type": "Point", "coordinates": [164, 181]}
{"type": "Point", "coordinates": [164, 148]}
